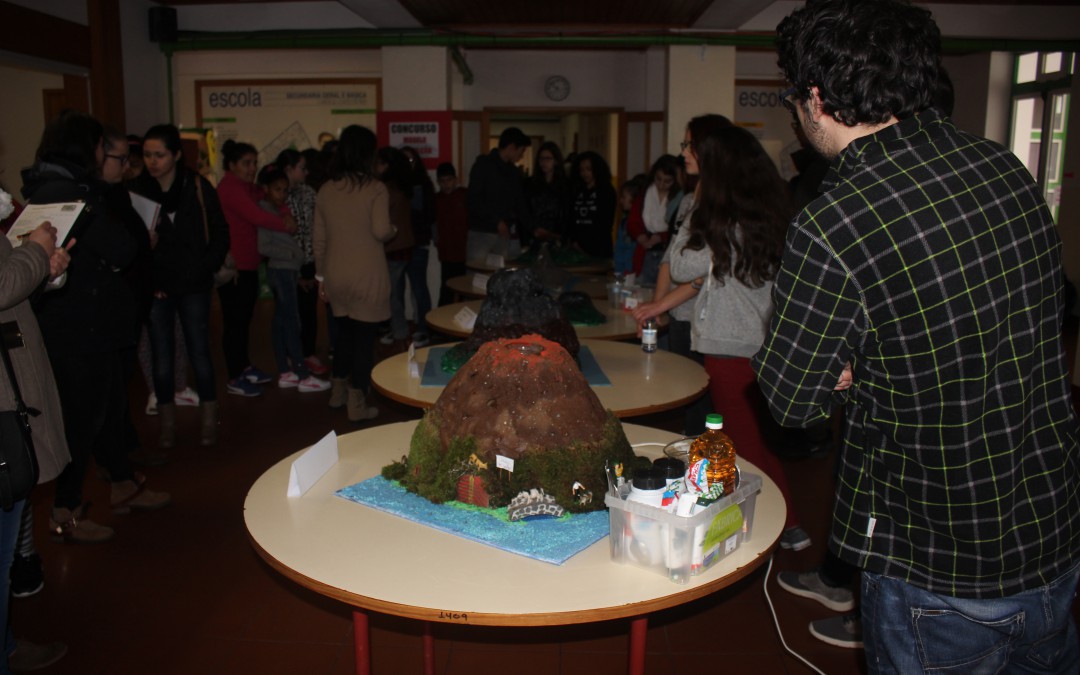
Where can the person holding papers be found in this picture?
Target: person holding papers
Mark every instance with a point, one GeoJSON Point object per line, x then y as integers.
{"type": "Point", "coordinates": [85, 324]}
{"type": "Point", "coordinates": [192, 242]}
{"type": "Point", "coordinates": [23, 269]}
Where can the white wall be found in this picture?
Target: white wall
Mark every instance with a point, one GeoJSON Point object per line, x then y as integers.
{"type": "Point", "coordinates": [700, 80]}
{"type": "Point", "coordinates": [23, 114]}
{"type": "Point", "coordinates": [415, 78]}
{"type": "Point", "coordinates": [506, 78]}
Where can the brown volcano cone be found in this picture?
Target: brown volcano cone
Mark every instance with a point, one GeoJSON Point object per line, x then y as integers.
{"type": "Point", "coordinates": [520, 403]}
{"type": "Point", "coordinates": [520, 395]}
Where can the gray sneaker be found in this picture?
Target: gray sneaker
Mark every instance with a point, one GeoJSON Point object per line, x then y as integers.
{"type": "Point", "coordinates": [794, 539]}
{"type": "Point", "coordinates": [810, 585]}
{"type": "Point", "coordinates": [839, 631]}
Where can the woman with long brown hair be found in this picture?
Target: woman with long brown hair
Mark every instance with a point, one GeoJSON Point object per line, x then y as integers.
{"type": "Point", "coordinates": [733, 244]}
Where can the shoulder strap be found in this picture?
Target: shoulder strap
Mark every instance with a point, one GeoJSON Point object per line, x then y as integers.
{"type": "Point", "coordinates": [202, 207]}
{"type": "Point", "coordinates": [20, 405]}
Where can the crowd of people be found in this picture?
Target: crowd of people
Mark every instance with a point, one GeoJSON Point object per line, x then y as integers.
{"type": "Point", "coordinates": [911, 277]}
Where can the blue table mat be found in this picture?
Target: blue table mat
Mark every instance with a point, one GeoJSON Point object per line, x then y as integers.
{"type": "Point", "coordinates": [435, 376]}
{"type": "Point", "coordinates": [551, 540]}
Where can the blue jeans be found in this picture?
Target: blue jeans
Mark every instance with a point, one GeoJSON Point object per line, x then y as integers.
{"type": "Point", "coordinates": [417, 273]}
{"type": "Point", "coordinates": [909, 630]}
{"type": "Point", "coordinates": [399, 325]}
{"type": "Point", "coordinates": [285, 326]}
{"type": "Point", "coordinates": [194, 312]}
{"type": "Point", "coordinates": [9, 533]}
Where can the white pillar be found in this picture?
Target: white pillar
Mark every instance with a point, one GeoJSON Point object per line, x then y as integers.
{"type": "Point", "coordinates": [701, 79]}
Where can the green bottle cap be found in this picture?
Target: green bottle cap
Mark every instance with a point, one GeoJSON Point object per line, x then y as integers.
{"type": "Point", "coordinates": [714, 420]}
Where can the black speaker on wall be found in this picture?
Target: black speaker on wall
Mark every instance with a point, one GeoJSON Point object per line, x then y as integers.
{"type": "Point", "coordinates": [162, 24]}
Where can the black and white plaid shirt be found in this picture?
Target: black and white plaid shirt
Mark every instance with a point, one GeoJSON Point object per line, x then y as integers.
{"type": "Point", "coordinates": [932, 264]}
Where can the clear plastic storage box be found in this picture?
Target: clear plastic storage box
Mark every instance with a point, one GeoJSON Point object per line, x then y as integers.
{"type": "Point", "coordinates": [676, 546]}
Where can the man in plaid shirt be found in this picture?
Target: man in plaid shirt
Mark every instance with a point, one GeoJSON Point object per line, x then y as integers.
{"type": "Point", "coordinates": [922, 291]}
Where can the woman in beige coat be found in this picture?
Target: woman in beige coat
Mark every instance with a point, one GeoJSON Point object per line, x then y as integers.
{"type": "Point", "coordinates": [23, 270]}
{"type": "Point", "coordinates": [352, 222]}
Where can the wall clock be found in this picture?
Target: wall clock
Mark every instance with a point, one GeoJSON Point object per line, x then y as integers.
{"type": "Point", "coordinates": [557, 87]}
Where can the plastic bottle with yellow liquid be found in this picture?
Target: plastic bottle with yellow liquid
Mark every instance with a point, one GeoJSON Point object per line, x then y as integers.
{"type": "Point", "coordinates": [716, 446]}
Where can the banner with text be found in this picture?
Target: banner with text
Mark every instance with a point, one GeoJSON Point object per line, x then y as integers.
{"type": "Point", "coordinates": [274, 115]}
{"type": "Point", "coordinates": [427, 132]}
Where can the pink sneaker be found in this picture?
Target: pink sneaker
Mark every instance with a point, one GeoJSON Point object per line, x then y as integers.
{"type": "Point", "coordinates": [186, 396]}
{"type": "Point", "coordinates": [311, 383]}
{"type": "Point", "coordinates": [288, 380]}
{"type": "Point", "coordinates": [315, 366]}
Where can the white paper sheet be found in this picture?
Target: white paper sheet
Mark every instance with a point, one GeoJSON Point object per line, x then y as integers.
{"type": "Point", "coordinates": [309, 467]}
{"type": "Point", "coordinates": [147, 209]}
{"type": "Point", "coordinates": [61, 215]}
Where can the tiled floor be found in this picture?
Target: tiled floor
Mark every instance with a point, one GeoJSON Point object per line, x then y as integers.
{"type": "Point", "coordinates": [181, 591]}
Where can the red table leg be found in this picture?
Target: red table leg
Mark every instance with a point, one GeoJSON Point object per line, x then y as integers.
{"type": "Point", "coordinates": [638, 629]}
{"type": "Point", "coordinates": [361, 642]}
{"type": "Point", "coordinates": [429, 650]}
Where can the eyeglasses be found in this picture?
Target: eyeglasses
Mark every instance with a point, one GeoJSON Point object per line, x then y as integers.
{"type": "Point", "coordinates": [123, 159]}
{"type": "Point", "coordinates": [787, 99]}
{"type": "Point", "coordinates": [685, 144]}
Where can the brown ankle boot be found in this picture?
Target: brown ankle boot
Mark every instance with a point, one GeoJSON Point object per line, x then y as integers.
{"type": "Point", "coordinates": [167, 420]}
{"type": "Point", "coordinates": [128, 494]}
{"type": "Point", "coordinates": [338, 388]}
{"type": "Point", "coordinates": [69, 526]}
{"type": "Point", "coordinates": [357, 408]}
{"type": "Point", "coordinates": [209, 417]}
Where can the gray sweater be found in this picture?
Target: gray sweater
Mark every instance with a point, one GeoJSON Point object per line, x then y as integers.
{"type": "Point", "coordinates": [729, 319]}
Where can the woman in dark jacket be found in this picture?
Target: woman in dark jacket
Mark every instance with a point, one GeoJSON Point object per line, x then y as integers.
{"type": "Point", "coordinates": [86, 323]}
{"type": "Point", "coordinates": [192, 242]}
{"type": "Point", "coordinates": [592, 228]}
{"type": "Point", "coordinates": [549, 195]}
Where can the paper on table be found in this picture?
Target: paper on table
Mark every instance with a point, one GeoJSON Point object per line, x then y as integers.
{"type": "Point", "coordinates": [466, 318]}
{"type": "Point", "coordinates": [480, 281]}
{"type": "Point", "coordinates": [309, 467]}
{"type": "Point", "coordinates": [61, 215]}
{"type": "Point", "coordinates": [414, 367]}
{"type": "Point", "coordinates": [146, 208]}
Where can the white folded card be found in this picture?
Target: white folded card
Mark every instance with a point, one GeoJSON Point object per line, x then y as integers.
{"type": "Point", "coordinates": [495, 260]}
{"type": "Point", "coordinates": [309, 467]}
{"type": "Point", "coordinates": [466, 318]}
{"type": "Point", "coordinates": [480, 281]}
{"type": "Point", "coordinates": [414, 367]}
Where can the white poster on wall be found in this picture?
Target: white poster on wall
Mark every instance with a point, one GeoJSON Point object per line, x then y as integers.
{"type": "Point", "coordinates": [273, 115]}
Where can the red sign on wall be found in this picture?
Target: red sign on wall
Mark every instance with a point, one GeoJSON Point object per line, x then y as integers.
{"type": "Point", "coordinates": [427, 132]}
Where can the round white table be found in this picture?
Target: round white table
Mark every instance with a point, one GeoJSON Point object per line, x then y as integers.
{"type": "Point", "coordinates": [640, 383]}
{"type": "Point", "coordinates": [620, 323]}
{"type": "Point", "coordinates": [594, 286]}
{"type": "Point", "coordinates": [600, 267]}
{"type": "Point", "coordinates": [375, 561]}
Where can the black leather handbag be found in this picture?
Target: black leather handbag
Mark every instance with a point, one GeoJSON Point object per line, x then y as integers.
{"type": "Point", "coordinates": [18, 461]}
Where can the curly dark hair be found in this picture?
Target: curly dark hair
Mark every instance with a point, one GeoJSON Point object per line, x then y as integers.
{"type": "Point", "coordinates": [743, 207]}
{"type": "Point", "coordinates": [870, 59]}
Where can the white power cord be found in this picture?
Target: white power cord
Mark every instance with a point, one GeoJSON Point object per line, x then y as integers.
{"type": "Point", "coordinates": [776, 622]}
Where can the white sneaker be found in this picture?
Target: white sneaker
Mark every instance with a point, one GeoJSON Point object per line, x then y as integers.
{"type": "Point", "coordinates": [151, 404]}
{"type": "Point", "coordinates": [186, 397]}
{"type": "Point", "coordinates": [288, 380]}
{"type": "Point", "coordinates": [387, 339]}
{"type": "Point", "coordinates": [311, 384]}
